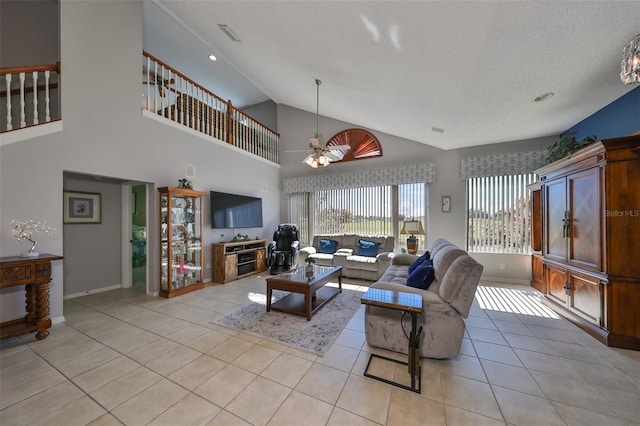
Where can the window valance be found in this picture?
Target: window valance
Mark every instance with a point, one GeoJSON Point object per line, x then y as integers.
{"type": "Point", "coordinates": [411, 173]}
{"type": "Point", "coordinates": [502, 164]}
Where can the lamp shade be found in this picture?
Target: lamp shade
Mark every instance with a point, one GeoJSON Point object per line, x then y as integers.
{"type": "Point", "coordinates": [412, 227]}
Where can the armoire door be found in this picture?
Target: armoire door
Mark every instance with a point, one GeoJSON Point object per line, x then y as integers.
{"type": "Point", "coordinates": [556, 220]}
{"type": "Point", "coordinates": [557, 283]}
{"type": "Point", "coordinates": [586, 211]}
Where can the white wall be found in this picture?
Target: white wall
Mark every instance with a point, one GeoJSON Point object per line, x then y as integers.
{"type": "Point", "coordinates": [92, 251]}
{"type": "Point", "coordinates": [105, 134]}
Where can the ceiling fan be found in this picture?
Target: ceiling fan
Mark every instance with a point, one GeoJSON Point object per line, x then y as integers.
{"type": "Point", "coordinates": [321, 155]}
{"type": "Point", "coordinates": [158, 81]}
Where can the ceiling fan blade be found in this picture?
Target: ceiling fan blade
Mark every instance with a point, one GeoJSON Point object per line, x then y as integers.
{"type": "Point", "coordinates": [296, 150]}
{"type": "Point", "coordinates": [331, 156]}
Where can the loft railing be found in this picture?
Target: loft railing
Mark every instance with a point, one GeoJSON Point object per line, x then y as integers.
{"type": "Point", "coordinates": [174, 96]}
{"type": "Point", "coordinates": [29, 96]}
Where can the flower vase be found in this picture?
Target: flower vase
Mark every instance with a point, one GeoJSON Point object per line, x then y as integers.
{"type": "Point", "coordinates": [32, 251]}
{"type": "Point", "coordinates": [309, 271]}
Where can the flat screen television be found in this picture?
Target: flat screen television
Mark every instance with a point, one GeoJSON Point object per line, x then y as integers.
{"type": "Point", "coordinates": [235, 211]}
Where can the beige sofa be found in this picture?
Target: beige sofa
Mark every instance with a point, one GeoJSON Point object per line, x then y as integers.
{"type": "Point", "coordinates": [354, 266]}
{"type": "Point", "coordinates": [445, 303]}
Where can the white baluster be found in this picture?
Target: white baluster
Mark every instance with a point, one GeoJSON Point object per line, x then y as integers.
{"type": "Point", "coordinates": [175, 106]}
{"type": "Point", "coordinates": [147, 104]}
{"type": "Point", "coordinates": [23, 122]}
{"type": "Point", "coordinates": [35, 98]}
{"type": "Point", "coordinates": [155, 91]}
{"type": "Point", "coordinates": [47, 109]}
{"type": "Point", "coordinates": [161, 88]}
{"type": "Point", "coordinates": [8, 80]}
{"type": "Point", "coordinates": [209, 113]}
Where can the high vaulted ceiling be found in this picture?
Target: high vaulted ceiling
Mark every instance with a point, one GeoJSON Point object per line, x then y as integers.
{"type": "Point", "coordinates": [468, 69]}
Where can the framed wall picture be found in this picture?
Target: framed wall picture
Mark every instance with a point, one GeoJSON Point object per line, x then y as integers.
{"type": "Point", "coordinates": [82, 207]}
{"type": "Point", "coordinates": [446, 203]}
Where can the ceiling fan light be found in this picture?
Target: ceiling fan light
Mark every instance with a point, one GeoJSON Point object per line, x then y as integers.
{"type": "Point", "coordinates": [311, 161]}
{"type": "Point", "coordinates": [323, 161]}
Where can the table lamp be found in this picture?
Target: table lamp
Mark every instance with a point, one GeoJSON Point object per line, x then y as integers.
{"type": "Point", "coordinates": [412, 227]}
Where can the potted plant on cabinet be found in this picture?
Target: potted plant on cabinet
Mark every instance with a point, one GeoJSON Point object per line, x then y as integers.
{"type": "Point", "coordinates": [566, 145]}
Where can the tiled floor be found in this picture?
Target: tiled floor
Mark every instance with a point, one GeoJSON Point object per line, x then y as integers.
{"type": "Point", "coordinates": [126, 358]}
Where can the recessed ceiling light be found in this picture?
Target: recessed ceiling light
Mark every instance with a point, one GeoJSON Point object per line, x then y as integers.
{"type": "Point", "coordinates": [544, 97]}
{"type": "Point", "coordinates": [212, 57]}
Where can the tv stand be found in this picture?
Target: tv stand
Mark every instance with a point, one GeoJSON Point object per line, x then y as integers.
{"type": "Point", "coordinates": [235, 260]}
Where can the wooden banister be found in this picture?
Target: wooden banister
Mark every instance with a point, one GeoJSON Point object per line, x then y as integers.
{"type": "Point", "coordinates": [32, 68]}
{"type": "Point", "coordinates": [200, 108]}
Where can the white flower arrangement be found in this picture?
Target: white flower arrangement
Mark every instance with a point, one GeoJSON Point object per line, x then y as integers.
{"type": "Point", "coordinates": [24, 230]}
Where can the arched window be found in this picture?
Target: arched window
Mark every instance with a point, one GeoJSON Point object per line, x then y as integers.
{"type": "Point", "coordinates": [362, 142]}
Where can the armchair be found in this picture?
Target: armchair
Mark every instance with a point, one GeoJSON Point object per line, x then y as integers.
{"type": "Point", "coordinates": [284, 250]}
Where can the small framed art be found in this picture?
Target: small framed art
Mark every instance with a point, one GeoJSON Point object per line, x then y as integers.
{"type": "Point", "coordinates": [446, 203]}
{"type": "Point", "coordinates": [82, 207]}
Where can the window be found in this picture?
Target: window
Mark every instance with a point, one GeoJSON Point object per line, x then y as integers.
{"type": "Point", "coordinates": [498, 214]}
{"type": "Point", "coordinates": [378, 210]}
{"type": "Point", "coordinates": [411, 206]}
{"type": "Point", "coordinates": [363, 143]}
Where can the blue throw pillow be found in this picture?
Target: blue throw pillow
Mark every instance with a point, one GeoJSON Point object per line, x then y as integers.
{"type": "Point", "coordinates": [328, 246]}
{"type": "Point", "coordinates": [367, 248]}
{"type": "Point", "coordinates": [422, 276]}
{"type": "Point", "coordinates": [418, 261]}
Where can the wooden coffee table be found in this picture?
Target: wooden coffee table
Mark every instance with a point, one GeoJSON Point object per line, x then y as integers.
{"type": "Point", "coordinates": [307, 295]}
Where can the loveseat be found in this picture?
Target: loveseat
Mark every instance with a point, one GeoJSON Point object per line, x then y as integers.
{"type": "Point", "coordinates": [361, 256]}
{"type": "Point", "coordinates": [445, 303]}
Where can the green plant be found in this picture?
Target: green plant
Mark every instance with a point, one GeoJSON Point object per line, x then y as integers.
{"type": "Point", "coordinates": [310, 260]}
{"type": "Point", "coordinates": [566, 145]}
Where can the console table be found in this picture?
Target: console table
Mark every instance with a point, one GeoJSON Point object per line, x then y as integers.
{"type": "Point", "coordinates": [35, 274]}
{"type": "Point", "coordinates": [412, 304]}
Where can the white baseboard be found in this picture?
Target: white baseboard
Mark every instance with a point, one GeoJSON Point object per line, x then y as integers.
{"type": "Point", "coordinates": [96, 290]}
{"type": "Point", "coordinates": [57, 320]}
{"type": "Point", "coordinates": [504, 280]}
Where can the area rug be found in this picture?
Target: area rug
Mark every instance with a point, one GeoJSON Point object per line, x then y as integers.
{"type": "Point", "coordinates": [315, 336]}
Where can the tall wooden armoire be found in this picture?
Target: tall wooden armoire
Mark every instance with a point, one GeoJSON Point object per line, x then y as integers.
{"type": "Point", "coordinates": [590, 204]}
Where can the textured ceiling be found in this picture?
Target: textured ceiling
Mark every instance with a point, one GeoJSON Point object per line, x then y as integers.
{"type": "Point", "coordinates": [471, 69]}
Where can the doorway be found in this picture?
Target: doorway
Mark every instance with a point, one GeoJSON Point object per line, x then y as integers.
{"type": "Point", "coordinates": [139, 236]}
{"type": "Point", "coordinates": [135, 249]}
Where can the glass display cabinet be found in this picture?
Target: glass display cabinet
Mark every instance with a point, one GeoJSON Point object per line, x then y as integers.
{"type": "Point", "coordinates": [181, 256]}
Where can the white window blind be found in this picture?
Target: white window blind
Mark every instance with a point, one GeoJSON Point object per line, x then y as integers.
{"type": "Point", "coordinates": [499, 218]}
{"type": "Point", "coordinates": [299, 212]}
{"type": "Point", "coordinates": [365, 211]}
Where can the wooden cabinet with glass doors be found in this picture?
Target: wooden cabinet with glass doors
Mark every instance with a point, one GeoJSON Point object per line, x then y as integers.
{"type": "Point", "coordinates": [181, 256]}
